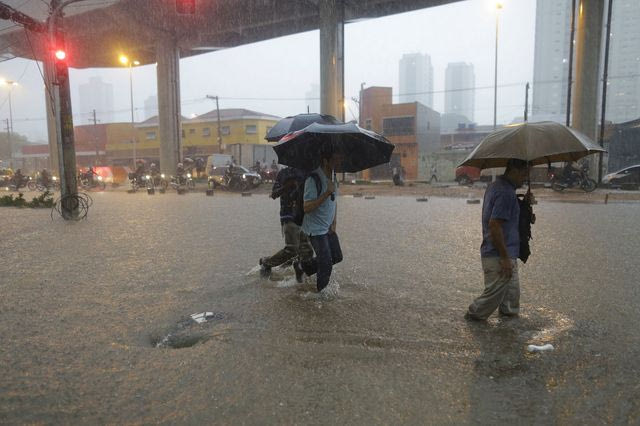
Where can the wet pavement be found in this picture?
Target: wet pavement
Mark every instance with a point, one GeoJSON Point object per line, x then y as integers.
{"type": "Point", "coordinates": [95, 328]}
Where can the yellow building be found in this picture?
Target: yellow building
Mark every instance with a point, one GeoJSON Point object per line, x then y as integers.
{"type": "Point", "coordinates": [199, 135]}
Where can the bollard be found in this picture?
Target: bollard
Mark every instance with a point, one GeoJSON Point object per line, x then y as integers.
{"type": "Point", "coordinates": [473, 201]}
{"type": "Point", "coordinates": [209, 192]}
{"type": "Point", "coordinates": [151, 191]}
{"type": "Point", "coordinates": [246, 194]}
{"type": "Point", "coordinates": [606, 198]}
{"type": "Point", "coordinates": [370, 197]}
{"type": "Point", "coordinates": [422, 199]}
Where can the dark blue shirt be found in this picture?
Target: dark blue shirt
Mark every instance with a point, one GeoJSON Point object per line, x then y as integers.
{"type": "Point", "coordinates": [500, 202]}
{"type": "Point", "coordinates": [288, 198]}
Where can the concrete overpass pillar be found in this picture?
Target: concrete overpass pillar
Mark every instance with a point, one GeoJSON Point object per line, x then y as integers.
{"type": "Point", "coordinates": [52, 131]}
{"type": "Point", "coordinates": [587, 72]}
{"type": "Point", "coordinates": [332, 57]}
{"type": "Point", "coordinates": [169, 118]}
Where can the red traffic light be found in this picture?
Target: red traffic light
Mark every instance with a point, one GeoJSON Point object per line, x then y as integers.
{"type": "Point", "coordinates": [60, 55]}
{"type": "Point", "coordinates": [186, 7]}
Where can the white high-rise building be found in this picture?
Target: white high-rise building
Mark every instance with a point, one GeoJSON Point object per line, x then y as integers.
{"type": "Point", "coordinates": [551, 62]}
{"type": "Point", "coordinates": [150, 107]}
{"type": "Point", "coordinates": [97, 95]}
{"type": "Point", "coordinates": [416, 79]}
{"type": "Point", "coordinates": [460, 93]}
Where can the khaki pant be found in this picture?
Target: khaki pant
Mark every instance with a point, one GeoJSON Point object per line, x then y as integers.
{"type": "Point", "coordinates": [498, 292]}
{"type": "Point", "coordinates": [296, 244]}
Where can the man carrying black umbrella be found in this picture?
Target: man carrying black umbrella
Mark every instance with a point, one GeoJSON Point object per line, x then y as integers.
{"type": "Point", "coordinates": [319, 223]}
{"type": "Point", "coordinates": [500, 247]}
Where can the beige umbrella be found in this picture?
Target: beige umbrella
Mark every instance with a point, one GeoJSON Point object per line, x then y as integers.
{"type": "Point", "coordinates": [538, 143]}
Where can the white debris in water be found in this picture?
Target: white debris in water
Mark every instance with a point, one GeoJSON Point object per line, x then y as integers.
{"type": "Point", "coordinates": [202, 317]}
{"type": "Point", "coordinates": [540, 348]}
{"type": "Point", "coordinates": [287, 282]}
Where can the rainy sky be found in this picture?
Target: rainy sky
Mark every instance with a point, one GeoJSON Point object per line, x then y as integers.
{"type": "Point", "coordinates": [255, 76]}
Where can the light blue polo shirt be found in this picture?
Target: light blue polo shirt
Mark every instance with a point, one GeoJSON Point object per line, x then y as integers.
{"type": "Point", "coordinates": [318, 221]}
{"type": "Point", "coordinates": [500, 202]}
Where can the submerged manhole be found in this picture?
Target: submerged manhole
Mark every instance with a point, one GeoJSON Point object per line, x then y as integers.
{"type": "Point", "coordinates": [189, 331]}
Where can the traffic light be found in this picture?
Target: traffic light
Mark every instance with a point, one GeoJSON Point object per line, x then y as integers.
{"type": "Point", "coordinates": [61, 67]}
{"type": "Point", "coordinates": [186, 7]}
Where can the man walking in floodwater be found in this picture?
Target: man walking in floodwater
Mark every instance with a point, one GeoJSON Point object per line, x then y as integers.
{"type": "Point", "coordinates": [500, 245]}
{"type": "Point", "coordinates": [319, 223]}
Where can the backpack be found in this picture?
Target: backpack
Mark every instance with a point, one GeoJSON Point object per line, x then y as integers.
{"type": "Point", "coordinates": [298, 208]}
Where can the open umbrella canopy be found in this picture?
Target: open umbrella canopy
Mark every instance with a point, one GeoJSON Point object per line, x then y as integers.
{"type": "Point", "coordinates": [298, 122]}
{"type": "Point", "coordinates": [360, 148]}
{"type": "Point", "coordinates": [538, 143]}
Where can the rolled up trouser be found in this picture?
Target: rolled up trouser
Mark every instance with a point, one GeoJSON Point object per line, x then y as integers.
{"type": "Point", "coordinates": [295, 242]}
{"type": "Point", "coordinates": [499, 292]}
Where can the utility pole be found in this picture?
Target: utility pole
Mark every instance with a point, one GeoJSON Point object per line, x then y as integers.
{"type": "Point", "coordinates": [526, 102]}
{"type": "Point", "coordinates": [95, 136]}
{"type": "Point", "coordinates": [605, 81]}
{"type": "Point", "coordinates": [6, 120]}
{"type": "Point", "coordinates": [219, 128]}
{"type": "Point", "coordinates": [64, 118]}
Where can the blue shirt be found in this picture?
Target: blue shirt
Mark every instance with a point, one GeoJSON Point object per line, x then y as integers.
{"type": "Point", "coordinates": [500, 202]}
{"type": "Point", "coordinates": [318, 221]}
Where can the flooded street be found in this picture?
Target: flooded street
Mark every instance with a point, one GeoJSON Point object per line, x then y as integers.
{"type": "Point", "coordinates": [94, 317]}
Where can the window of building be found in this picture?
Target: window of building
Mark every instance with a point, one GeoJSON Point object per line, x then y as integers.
{"type": "Point", "coordinates": [206, 132]}
{"type": "Point", "coordinates": [225, 130]}
{"type": "Point", "coordinates": [150, 136]}
{"type": "Point", "coordinates": [251, 129]}
{"type": "Point", "coordinates": [183, 133]}
{"type": "Point", "coordinates": [367, 124]}
{"type": "Point", "coordinates": [398, 126]}
{"type": "Point", "coordinates": [192, 131]}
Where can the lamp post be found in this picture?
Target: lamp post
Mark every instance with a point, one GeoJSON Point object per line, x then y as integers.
{"type": "Point", "coordinates": [10, 84]}
{"type": "Point", "coordinates": [495, 74]}
{"type": "Point", "coordinates": [495, 80]}
{"type": "Point", "coordinates": [124, 60]}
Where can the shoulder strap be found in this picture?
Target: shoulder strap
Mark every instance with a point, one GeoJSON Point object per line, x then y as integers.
{"type": "Point", "coordinates": [318, 182]}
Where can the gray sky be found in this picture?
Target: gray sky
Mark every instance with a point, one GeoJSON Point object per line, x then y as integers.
{"type": "Point", "coordinates": [463, 31]}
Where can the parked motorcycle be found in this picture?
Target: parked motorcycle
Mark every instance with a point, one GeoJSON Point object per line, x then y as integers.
{"type": "Point", "coordinates": [577, 179]}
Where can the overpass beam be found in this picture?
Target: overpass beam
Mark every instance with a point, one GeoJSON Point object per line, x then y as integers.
{"type": "Point", "coordinates": [169, 117]}
{"type": "Point", "coordinates": [332, 57]}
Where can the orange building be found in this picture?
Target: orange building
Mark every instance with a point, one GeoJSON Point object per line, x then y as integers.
{"type": "Point", "coordinates": [413, 128]}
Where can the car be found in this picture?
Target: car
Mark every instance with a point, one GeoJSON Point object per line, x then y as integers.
{"type": "Point", "coordinates": [629, 176]}
{"type": "Point", "coordinates": [217, 176]}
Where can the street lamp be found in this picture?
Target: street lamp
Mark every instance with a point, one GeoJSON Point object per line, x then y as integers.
{"type": "Point", "coordinates": [499, 6]}
{"type": "Point", "coordinates": [10, 84]}
{"type": "Point", "coordinates": [124, 60]}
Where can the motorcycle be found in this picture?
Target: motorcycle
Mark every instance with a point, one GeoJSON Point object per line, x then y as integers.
{"type": "Point", "coordinates": [15, 183]}
{"type": "Point", "coordinates": [268, 175]}
{"type": "Point", "coordinates": [577, 179]}
{"type": "Point", "coordinates": [137, 182]}
{"type": "Point", "coordinates": [182, 183]}
{"type": "Point", "coordinates": [156, 181]}
{"type": "Point", "coordinates": [89, 184]}
{"type": "Point", "coordinates": [39, 185]}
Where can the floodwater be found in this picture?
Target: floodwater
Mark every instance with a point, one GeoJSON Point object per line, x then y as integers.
{"type": "Point", "coordinates": [94, 317]}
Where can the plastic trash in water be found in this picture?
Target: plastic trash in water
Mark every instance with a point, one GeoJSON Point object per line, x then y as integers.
{"type": "Point", "coordinates": [540, 348]}
{"type": "Point", "coordinates": [202, 317]}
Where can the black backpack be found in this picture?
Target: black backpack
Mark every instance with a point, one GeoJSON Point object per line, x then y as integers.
{"type": "Point", "coordinates": [298, 208]}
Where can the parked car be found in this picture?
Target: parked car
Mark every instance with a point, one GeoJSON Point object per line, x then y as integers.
{"type": "Point", "coordinates": [466, 175]}
{"type": "Point", "coordinates": [627, 176]}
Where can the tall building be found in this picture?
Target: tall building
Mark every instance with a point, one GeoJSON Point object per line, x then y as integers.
{"type": "Point", "coordinates": [460, 93]}
{"type": "Point", "coordinates": [312, 98]}
{"type": "Point", "coordinates": [97, 95]}
{"type": "Point", "coordinates": [416, 79]}
{"type": "Point", "coordinates": [551, 61]}
{"type": "Point", "coordinates": [623, 92]}
{"type": "Point", "coordinates": [150, 107]}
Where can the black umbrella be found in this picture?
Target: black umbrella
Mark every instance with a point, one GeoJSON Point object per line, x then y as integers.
{"type": "Point", "coordinates": [297, 122]}
{"type": "Point", "coordinates": [360, 148]}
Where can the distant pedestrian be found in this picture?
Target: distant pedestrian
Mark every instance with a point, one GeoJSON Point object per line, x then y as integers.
{"type": "Point", "coordinates": [320, 218]}
{"type": "Point", "coordinates": [434, 173]}
{"type": "Point", "coordinates": [500, 245]}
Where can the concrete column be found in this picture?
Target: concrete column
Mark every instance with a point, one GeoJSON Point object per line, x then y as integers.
{"type": "Point", "coordinates": [169, 118]}
{"type": "Point", "coordinates": [332, 57]}
{"type": "Point", "coordinates": [52, 131]}
{"type": "Point", "coordinates": [587, 66]}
